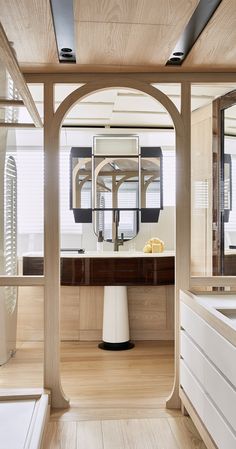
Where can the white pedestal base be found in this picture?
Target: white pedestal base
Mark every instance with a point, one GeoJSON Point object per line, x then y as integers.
{"type": "Point", "coordinates": [115, 319]}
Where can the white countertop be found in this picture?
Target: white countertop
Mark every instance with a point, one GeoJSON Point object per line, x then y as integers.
{"type": "Point", "coordinates": [212, 305]}
{"type": "Point", "coordinates": [106, 254]}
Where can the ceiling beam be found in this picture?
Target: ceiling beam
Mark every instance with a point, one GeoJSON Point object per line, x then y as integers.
{"type": "Point", "coordinates": [149, 77]}
{"type": "Point", "coordinates": [9, 60]}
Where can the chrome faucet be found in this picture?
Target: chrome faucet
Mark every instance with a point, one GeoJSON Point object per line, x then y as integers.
{"type": "Point", "coordinates": [117, 242]}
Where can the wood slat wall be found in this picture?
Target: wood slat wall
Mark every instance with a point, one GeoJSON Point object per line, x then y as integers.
{"type": "Point", "coordinates": [151, 311]}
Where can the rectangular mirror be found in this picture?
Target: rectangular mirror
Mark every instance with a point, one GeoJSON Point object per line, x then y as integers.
{"type": "Point", "coordinates": [116, 188]}
{"type": "Point", "coordinates": [115, 184]}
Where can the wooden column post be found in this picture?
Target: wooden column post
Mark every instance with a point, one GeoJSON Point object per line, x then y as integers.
{"type": "Point", "coordinates": [52, 254]}
{"type": "Point", "coordinates": [183, 223]}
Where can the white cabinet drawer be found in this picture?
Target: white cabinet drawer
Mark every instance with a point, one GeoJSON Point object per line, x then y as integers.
{"type": "Point", "coordinates": [212, 381]}
{"type": "Point", "coordinates": [212, 419]}
{"type": "Point", "coordinates": [220, 351]}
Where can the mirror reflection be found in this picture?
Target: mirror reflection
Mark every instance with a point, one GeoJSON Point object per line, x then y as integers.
{"type": "Point", "coordinates": [115, 190]}
{"type": "Point", "coordinates": [114, 177]}
{"type": "Point", "coordinates": [228, 240]}
{"type": "Point", "coordinates": [116, 197]}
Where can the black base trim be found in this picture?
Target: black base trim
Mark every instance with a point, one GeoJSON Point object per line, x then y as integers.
{"type": "Point", "coordinates": [116, 346]}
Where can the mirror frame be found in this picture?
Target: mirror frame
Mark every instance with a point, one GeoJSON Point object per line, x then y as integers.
{"type": "Point", "coordinates": [144, 214]}
{"type": "Point", "coordinates": [222, 264]}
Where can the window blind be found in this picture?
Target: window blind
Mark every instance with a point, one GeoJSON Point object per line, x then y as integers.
{"type": "Point", "coordinates": [30, 192]}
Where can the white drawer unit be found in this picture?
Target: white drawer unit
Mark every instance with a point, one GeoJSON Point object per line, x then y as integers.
{"type": "Point", "coordinates": [219, 350]}
{"type": "Point", "coordinates": [221, 392]}
{"type": "Point", "coordinates": [212, 418]}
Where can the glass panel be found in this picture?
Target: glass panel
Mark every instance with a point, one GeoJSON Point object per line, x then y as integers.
{"type": "Point", "coordinates": [12, 109]}
{"type": "Point", "coordinates": [61, 91]}
{"type": "Point", "coordinates": [204, 94]}
{"type": "Point", "coordinates": [172, 90]}
{"type": "Point", "coordinates": [12, 114]}
{"type": "Point", "coordinates": [21, 202]}
{"type": "Point", "coordinates": [201, 189]}
{"type": "Point", "coordinates": [21, 320]}
{"type": "Point", "coordinates": [212, 173]}
{"type": "Point", "coordinates": [37, 93]}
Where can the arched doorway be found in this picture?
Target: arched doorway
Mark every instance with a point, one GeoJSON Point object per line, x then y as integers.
{"type": "Point", "coordinates": [53, 123]}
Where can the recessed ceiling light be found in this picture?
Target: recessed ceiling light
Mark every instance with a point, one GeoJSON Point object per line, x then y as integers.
{"type": "Point", "coordinates": [66, 55]}
{"type": "Point", "coordinates": [178, 53]}
{"type": "Point", "coordinates": [175, 59]}
{"type": "Point", "coordinates": [66, 50]}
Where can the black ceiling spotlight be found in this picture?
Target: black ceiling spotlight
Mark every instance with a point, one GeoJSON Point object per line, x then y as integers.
{"type": "Point", "coordinates": [63, 20]}
{"type": "Point", "coordinates": [192, 31]}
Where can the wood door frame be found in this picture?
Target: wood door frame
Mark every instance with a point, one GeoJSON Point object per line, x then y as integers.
{"type": "Point", "coordinates": [52, 128]}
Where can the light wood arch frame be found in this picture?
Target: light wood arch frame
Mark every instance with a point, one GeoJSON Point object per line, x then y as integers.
{"type": "Point", "coordinates": [52, 127]}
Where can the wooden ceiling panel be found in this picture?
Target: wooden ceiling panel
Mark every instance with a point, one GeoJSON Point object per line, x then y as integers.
{"type": "Point", "coordinates": [216, 45]}
{"type": "Point", "coordinates": [134, 32]}
{"type": "Point", "coordinates": [125, 44]}
{"type": "Point", "coordinates": [28, 24]}
{"type": "Point", "coordinates": [120, 35]}
{"type": "Point", "coordinates": [161, 12]}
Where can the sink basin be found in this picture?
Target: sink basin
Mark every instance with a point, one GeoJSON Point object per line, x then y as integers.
{"type": "Point", "coordinates": [229, 313]}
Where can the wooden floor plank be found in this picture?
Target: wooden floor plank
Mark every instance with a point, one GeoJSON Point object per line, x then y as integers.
{"type": "Point", "coordinates": [89, 435]}
{"type": "Point", "coordinates": [114, 435]}
{"type": "Point", "coordinates": [186, 433]}
{"type": "Point", "coordinates": [138, 434]}
{"type": "Point", "coordinates": [174, 433]}
{"type": "Point", "coordinates": [160, 434]}
{"type": "Point", "coordinates": [93, 379]}
{"type": "Point", "coordinates": [60, 435]}
{"type": "Point", "coordinates": [117, 398]}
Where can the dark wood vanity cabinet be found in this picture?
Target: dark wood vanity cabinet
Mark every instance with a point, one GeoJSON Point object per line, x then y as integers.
{"type": "Point", "coordinates": [87, 271]}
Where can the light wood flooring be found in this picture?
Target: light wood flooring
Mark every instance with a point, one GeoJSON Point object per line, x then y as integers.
{"type": "Point", "coordinates": [117, 398]}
